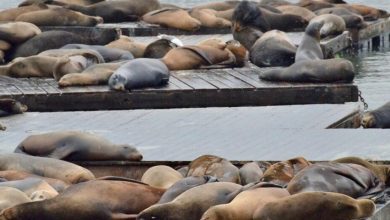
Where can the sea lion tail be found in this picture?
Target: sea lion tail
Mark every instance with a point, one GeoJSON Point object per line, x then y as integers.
{"type": "Point", "coordinates": [366, 208]}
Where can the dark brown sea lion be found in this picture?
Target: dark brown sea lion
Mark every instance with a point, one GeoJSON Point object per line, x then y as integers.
{"type": "Point", "coordinates": [12, 13]}
{"type": "Point", "coordinates": [46, 167]}
{"type": "Point", "coordinates": [333, 24]}
{"type": "Point", "coordinates": [59, 17]}
{"type": "Point", "coordinates": [11, 106]}
{"type": "Point", "coordinates": [245, 204]}
{"type": "Point", "coordinates": [119, 10]}
{"type": "Point", "coordinates": [158, 48]}
{"type": "Point", "coordinates": [369, 13]}
{"type": "Point", "coordinates": [191, 204]}
{"type": "Point", "coordinates": [247, 36]}
{"type": "Point", "coordinates": [161, 176]}
{"type": "Point", "coordinates": [18, 32]}
{"type": "Point", "coordinates": [183, 185]}
{"type": "Point", "coordinates": [209, 18]}
{"type": "Point", "coordinates": [297, 10]}
{"type": "Point", "coordinates": [314, 71]}
{"type": "Point", "coordinates": [273, 48]}
{"type": "Point", "coordinates": [128, 44]}
{"type": "Point", "coordinates": [92, 200]}
{"type": "Point", "coordinates": [282, 172]}
{"type": "Point", "coordinates": [316, 206]}
{"type": "Point", "coordinates": [310, 48]}
{"type": "Point", "coordinates": [10, 197]}
{"type": "Point", "coordinates": [173, 18]}
{"type": "Point", "coordinates": [211, 165]}
{"type": "Point", "coordinates": [378, 118]}
{"type": "Point", "coordinates": [74, 145]}
{"type": "Point", "coordinates": [352, 179]}
{"type": "Point", "coordinates": [251, 173]}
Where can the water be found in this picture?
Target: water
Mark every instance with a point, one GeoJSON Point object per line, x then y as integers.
{"type": "Point", "coordinates": [373, 66]}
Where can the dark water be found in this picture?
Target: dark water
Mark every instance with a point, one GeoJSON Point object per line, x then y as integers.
{"type": "Point", "coordinates": [373, 67]}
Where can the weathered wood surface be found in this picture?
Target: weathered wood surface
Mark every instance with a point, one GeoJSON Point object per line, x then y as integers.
{"type": "Point", "coordinates": [195, 88]}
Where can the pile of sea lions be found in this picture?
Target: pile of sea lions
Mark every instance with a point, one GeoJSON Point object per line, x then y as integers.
{"type": "Point", "coordinates": [209, 188]}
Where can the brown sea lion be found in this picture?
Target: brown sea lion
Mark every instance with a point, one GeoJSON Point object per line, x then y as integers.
{"type": "Point", "coordinates": [12, 13]}
{"type": "Point", "coordinates": [191, 204]}
{"type": "Point", "coordinates": [92, 200]}
{"type": "Point", "coordinates": [10, 197]}
{"type": "Point", "coordinates": [10, 106]}
{"type": "Point", "coordinates": [158, 48]}
{"type": "Point", "coordinates": [369, 13]}
{"type": "Point", "coordinates": [161, 176]}
{"type": "Point", "coordinates": [18, 32]}
{"type": "Point", "coordinates": [128, 44]}
{"type": "Point", "coordinates": [2, 57]}
{"type": "Point", "coordinates": [173, 18]}
{"type": "Point", "coordinates": [4, 45]}
{"type": "Point", "coordinates": [119, 10]}
{"type": "Point", "coordinates": [183, 185]}
{"type": "Point", "coordinates": [378, 118]}
{"type": "Point", "coordinates": [59, 2]}
{"type": "Point", "coordinates": [315, 5]}
{"type": "Point", "coordinates": [352, 179]}
{"type": "Point", "coordinates": [251, 173]}
{"type": "Point", "coordinates": [310, 47]}
{"type": "Point", "coordinates": [59, 17]}
{"type": "Point", "coordinates": [282, 172]}
{"type": "Point", "coordinates": [211, 165]}
{"type": "Point", "coordinates": [31, 185]}
{"type": "Point", "coordinates": [313, 71]}
{"type": "Point", "coordinates": [245, 204]}
{"type": "Point", "coordinates": [218, 6]}
{"type": "Point", "coordinates": [296, 10]}
{"type": "Point", "coordinates": [382, 171]}
{"type": "Point", "coordinates": [247, 36]}
{"type": "Point", "coordinates": [108, 54]}
{"type": "Point", "coordinates": [74, 145]}
{"type": "Point", "coordinates": [273, 48]}
{"type": "Point", "coordinates": [351, 19]}
{"type": "Point", "coordinates": [46, 167]}
{"type": "Point", "coordinates": [208, 18]}
{"type": "Point", "coordinates": [97, 74]}
{"type": "Point", "coordinates": [316, 206]}
{"type": "Point", "coordinates": [333, 25]}
{"type": "Point", "coordinates": [11, 175]}
{"type": "Point", "coordinates": [238, 54]}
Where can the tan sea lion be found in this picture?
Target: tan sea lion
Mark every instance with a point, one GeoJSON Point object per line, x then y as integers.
{"type": "Point", "coordinates": [208, 18]}
{"type": "Point", "coordinates": [18, 32]}
{"type": "Point", "coordinates": [128, 44]}
{"type": "Point", "coordinates": [12, 13]}
{"type": "Point", "coordinates": [333, 24]}
{"type": "Point", "coordinates": [251, 173]}
{"type": "Point", "coordinates": [59, 17]}
{"type": "Point", "coordinates": [378, 118]}
{"type": "Point", "coordinates": [211, 165]}
{"type": "Point", "coordinates": [238, 54]}
{"type": "Point", "coordinates": [10, 197]}
{"type": "Point", "coordinates": [296, 10]}
{"type": "Point", "coordinates": [10, 106]}
{"type": "Point", "coordinates": [316, 206]}
{"type": "Point", "coordinates": [173, 18]}
{"type": "Point", "coordinates": [369, 13]}
{"type": "Point", "coordinates": [4, 45]}
{"type": "Point", "coordinates": [282, 172]}
{"type": "Point", "coordinates": [46, 167]}
{"type": "Point", "coordinates": [245, 204]}
{"type": "Point", "coordinates": [191, 204]}
{"type": "Point", "coordinates": [92, 200]}
{"type": "Point", "coordinates": [310, 47]}
{"type": "Point", "coordinates": [75, 145]}
{"type": "Point", "coordinates": [31, 185]}
{"type": "Point", "coordinates": [97, 74]}
{"type": "Point", "coordinates": [161, 176]}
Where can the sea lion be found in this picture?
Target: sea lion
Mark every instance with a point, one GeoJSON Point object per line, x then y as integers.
{"type": "Point", "coordinates": [275, 2]}
{"type": "Point", "coordinates": [333, 25]}
{"type": "Point", "coordinates": [251, 173]}
{"type": "Point", "coordinates": [161, 176]}
{"type": "Point", "coordinates": [92, 200]}
{"type": "Point", "coordinates": [138, 73]}
{"type": "Point", "coordinates": [310, 48]}
{"type": "Point", "coordinates": [10, 106]}
{"type": "Point", "coordinates": [322, 206]}
{"type": "Point", "coordinates": [75, 145]}
{"type": "Point", "coordinates": [237, 53]}
{"type": "Point", "coordinates": [282, 172]}
{"type": "Point", "coordinates": [173, 18]}
{"type": "Point", "coordinates": [59, 17]}
{"type": "Point", "coordinates": [208, 18]}
{"type": "Point", "coordinates": [119, 10]}
{"type": "Point", "coordinates": [248, 14]}
{"type": "Point", "coordinates": [382, 171]}
{"type": "Point", "coordinates": [247, 36]}
{"type": "Point", "coordinates": [218, 6]}
{"type": "Point", "coordinates": [215, 166]}
{"type": "Point", "coordinates": [378, 118]}
{"type": "Point", "coordinates": [314, 71]}
{"type": "Point", "coordinates": [59, 2]}
{"type": "Point", "coordinates": [18, 32]}
{"type": "Point", "coordinates": [10, 197]}
{"type": "Point", "coordinates": [273, 48]}
{"type": "Point", "coordinates": [352, 179]}
{"type": "Point", "coordinates": [191, 204]}
{"type": "Point", "coordinates": [158, 48]}
{"type": "Point", "coordinates": [296, 10]}
{"type": "Point", "coordinates": [314, 5]}
{"type": "Point", "coordinates": [31, 185]}
{"type": "Point", "coordinates": [57, 39]}
{"type": "Point", "coordinates": [108, 54]}
{"type": "Point", "coordinates": [244, 205]}
{"type": "Point", "coordinates": [4, 45]}
{"type": "Point", "coordinates": [369, 13]}
{"type": "Point", "coordinates": [351, 19]}
{"type": "Point", "coordinates": [97, 74]}
{"type": "Point", "coordinates": [46, 167]}
{"type": "Point", "coordinates": [12, 13]}
{"type": "Point", "coordinates": [128, 44]}
{"type": "Point", "coordinates": [11, 175]}
{"type": "Point", "coordinates": [183, 185]}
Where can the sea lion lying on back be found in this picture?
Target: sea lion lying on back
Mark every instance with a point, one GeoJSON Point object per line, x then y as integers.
{"type": "Point", "coordinates": [378, 118]}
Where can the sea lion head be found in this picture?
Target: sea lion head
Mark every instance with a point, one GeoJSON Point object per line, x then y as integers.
{"type": "Point", "coordinates": [369, 120]}
{"type": "Point", "coordinates": [117, 82]}
{"type": "Point", "coordinates": [130, 152]}
{"type": "Point", "coordinates": [248, 14]}
{"type": "Point", "coordinates": [314, 28]}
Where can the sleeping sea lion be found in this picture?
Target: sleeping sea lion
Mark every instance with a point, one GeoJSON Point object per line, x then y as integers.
{"type": "Point", "coordinates": [108, 54]}
{"type": "Point", "coordinates": [158, 48]}
{"type": "Point", "coordinates": [161, 176]}
{"type": "Point", "coordinates": [18, 32]}
{"type": "Point", "coordinates": [173, 18]}
{"type": "Point", "coordinates": [128, 44]}
{"type": "Point", "coordinates": [296, 10]}
{"type": "Point", "coordinates": [252, 172]}
{"type": "Point", "coordinates": [10, 197]}
{"type": "Point", "coordinates": [369, 13]}
{"type": "Point", "coordinates": [31, 185]}
{"type": "Point", "coordinates": [59, 2]}
{"type": "Point", "coordinates": [378, 118]}
{"type": "Point", "coordinates": [351, 19]}
{"type": "Point", "coordinates": [333, 25]}
{"type": "Point", "coordinates": [12, 13]}
{"type": "Point", "coordinates": [208, 18]}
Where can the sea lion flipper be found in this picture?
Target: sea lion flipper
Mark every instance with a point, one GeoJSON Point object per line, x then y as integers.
{"type": "Point", "coordinates": [61, 153]}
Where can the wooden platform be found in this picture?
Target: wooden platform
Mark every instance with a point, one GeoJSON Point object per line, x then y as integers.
{"type": "Point", "coordinates": [195, 88]}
